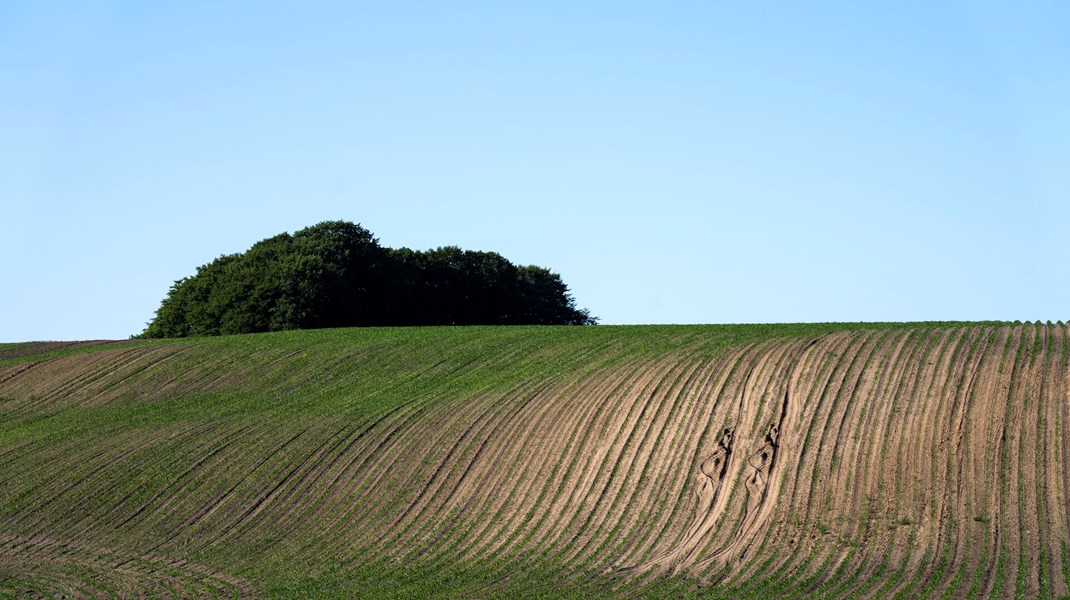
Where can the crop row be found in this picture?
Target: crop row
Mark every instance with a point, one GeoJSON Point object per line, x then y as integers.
{"type": "Point", "coordinates": [822, 461]}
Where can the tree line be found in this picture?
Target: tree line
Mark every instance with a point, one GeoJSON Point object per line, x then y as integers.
{"type": "Point", "coordinates": [336, 274]}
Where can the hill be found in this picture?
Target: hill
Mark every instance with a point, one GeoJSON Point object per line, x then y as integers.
{"type": "Point", "coordinates": [875, 460]}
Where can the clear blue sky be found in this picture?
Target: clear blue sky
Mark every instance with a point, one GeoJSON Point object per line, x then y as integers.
{"type": "Point", "coordinates": [675, 162]}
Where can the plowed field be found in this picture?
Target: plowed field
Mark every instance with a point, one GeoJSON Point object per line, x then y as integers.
{"type": "Point", "coordinates": [835, 461]}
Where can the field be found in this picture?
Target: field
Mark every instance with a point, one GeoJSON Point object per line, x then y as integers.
{"type": "Point", "coordinates": [750, 461]}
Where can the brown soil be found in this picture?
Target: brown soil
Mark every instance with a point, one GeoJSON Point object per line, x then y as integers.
{"type": "Point", "coordinates": [938, 456]}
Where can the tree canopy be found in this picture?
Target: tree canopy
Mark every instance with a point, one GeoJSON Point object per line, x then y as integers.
{"type": "Point", "coordinates": [335, 274]}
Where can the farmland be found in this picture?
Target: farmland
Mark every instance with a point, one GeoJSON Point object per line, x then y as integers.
{"type": "Point", "coordinates": [747, 461]}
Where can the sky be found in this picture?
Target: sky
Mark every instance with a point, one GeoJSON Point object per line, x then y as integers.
{"type": "Point", "coordinates": [675, 162]}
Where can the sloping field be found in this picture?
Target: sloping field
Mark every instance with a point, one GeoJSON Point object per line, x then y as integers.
{"type": "Point", "coordinates": [836, 461]}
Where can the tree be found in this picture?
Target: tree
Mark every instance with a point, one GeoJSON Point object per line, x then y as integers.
{"type": "Point", "coordinates": [335, 274]}
{"type": "Point", "coordinates": [545, 299]}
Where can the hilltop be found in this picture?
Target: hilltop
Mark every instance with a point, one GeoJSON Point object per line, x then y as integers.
{"type": "Point", "coordinates": [825, 460]}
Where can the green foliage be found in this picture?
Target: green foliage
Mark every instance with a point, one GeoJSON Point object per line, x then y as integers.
{"type": "Point", "coordinates": [335, 274]}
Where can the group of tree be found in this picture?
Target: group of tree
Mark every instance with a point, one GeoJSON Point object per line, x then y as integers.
{"type": "Point", "coordinates": [336, 274]}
